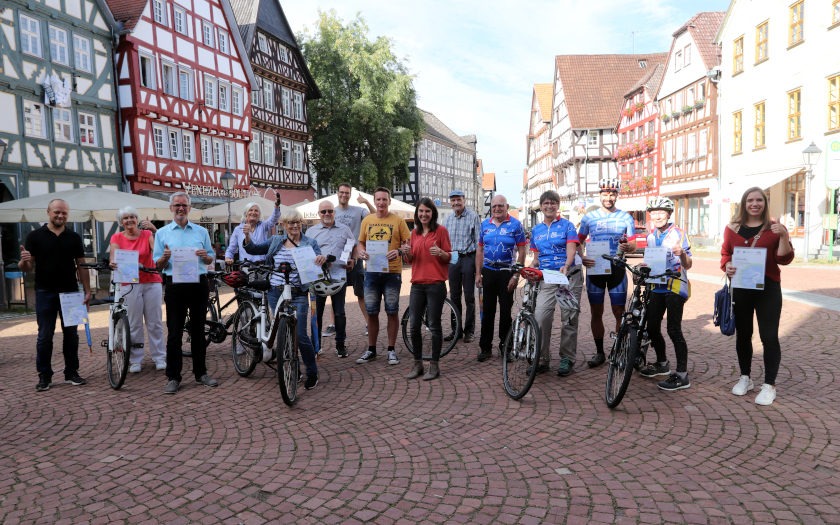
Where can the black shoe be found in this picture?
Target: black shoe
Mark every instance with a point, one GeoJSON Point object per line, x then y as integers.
{"type": "Point", "coordinates": [469, 338]}
{"type": "Point", "coordinates": [483, 356]}
{"type": "Point", "coordinates": [566, 367]}
{"type": "Point", "coordinates": [43, 384]}
{"type": "Point", "coordinates": [449, 337]}
{"type": "Point", "coordinates": [656, 369]}
{"type": "Point", "coordinates": [75, 380]}
{"type": "Point", "coordinates": [340, 351]}
{"type": "Point", "coordinates": [597, 360]}
{"type": "Point", "coordinates": [674, 382]}
{"type": "Point", "coordinates": [541, 369]}
{"type": "Point", "coordinates": [311, 382]}
{"type": "Point", "coordinates": [206, 380]}
{"type": "Point", "coordinates": [172, 386]}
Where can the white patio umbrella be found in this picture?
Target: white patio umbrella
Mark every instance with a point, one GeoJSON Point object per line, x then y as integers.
{"type": "Point", "coordinates": [398, 207]}
{"type": "Point", "coordinates": [220, 213]}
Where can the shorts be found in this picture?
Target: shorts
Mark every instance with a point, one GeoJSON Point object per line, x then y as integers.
{"type": "Point", "coordinates": [616, 283]}
{"type": "Point", "coordinates": [378, 285]}
{"type": "Point", "coordinates": [356, 279]}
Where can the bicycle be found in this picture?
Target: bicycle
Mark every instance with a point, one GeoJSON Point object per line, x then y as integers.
{"type": "Point", "coordinates": [118, 343]}
{"type": "Point", "coordinates": [630, 344]}
{"type": "Point", "coordinates": [216, 325]}
{"type": "Point", "coordinates": [454, 326]}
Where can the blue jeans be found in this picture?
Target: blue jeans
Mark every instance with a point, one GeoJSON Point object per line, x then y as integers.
{"type": "Point", "coordinates": [378, 285]}
{"type": "Point", "coordinates": [301, 305]}
{"type": "Point", "coordinates": [47, 308]}
{"type": "Point", "coordinates": [426, 299]}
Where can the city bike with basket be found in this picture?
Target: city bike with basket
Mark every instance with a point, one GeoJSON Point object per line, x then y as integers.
{"type": "Point", "coordinates": [631, 343]}
{"type": "Point", "coordinates": [118, 344]}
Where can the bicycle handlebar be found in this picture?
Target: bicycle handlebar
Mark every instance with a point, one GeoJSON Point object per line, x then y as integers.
{"type": "Point", "coordinates": [641, 270]}
{"type": "Point", "coordinates": [106, 267]}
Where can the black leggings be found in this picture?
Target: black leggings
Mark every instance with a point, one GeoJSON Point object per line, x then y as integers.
{"type": "Point", "coordinates": [767, 305]}
{"type": "Point", "coordinates": [673, 304]}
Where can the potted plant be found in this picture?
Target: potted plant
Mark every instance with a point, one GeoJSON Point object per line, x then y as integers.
{"type": "Point", "coordinates": [649, 143]}
{"type": "Point", "coordinates": [687, 109]}
{"type": "Point", "coordinates": [666, 118]}
{"type": "Point", "coordinates": [676, 114]}
{"type": "Point", "coordinates": [640, 106]}
{"type": "Point", "coordinates": [699, 103]}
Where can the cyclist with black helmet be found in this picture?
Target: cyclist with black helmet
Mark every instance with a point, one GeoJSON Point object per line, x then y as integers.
{"type": "Point", "coordinates": [617, 227]}
{"type": "Point", "coordinates": [669, 297]}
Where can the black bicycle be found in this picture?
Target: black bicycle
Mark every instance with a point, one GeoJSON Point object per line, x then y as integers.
{"type": "Point", "coordinates": [450, 327]}
{"type": "Point", "coordinates": [216, 323]}
{"type": "Point", "coordinates": [630, 344]}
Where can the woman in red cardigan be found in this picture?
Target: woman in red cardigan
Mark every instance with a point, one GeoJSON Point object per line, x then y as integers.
{"type": "Point", "coordinates": [429, 254]}
{"type": "Point", "coordinates": [752, 228]}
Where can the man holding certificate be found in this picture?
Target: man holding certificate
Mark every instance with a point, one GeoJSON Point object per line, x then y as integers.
{"type": "Point", "coordinates": [57, 251]}
{"type": "Point", "coordinates": [381, 239]}
{"type": "Point", "coordinates": [668, 248]}
{"type": "Point", "coordinates": [754, 245]}
{"type": "Point", "coordinates": [612, 231]}
{"type": "Point", "coordinates": [182, 253]}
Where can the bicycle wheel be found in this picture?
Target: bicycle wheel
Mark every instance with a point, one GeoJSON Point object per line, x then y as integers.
{"type": "Point", "coordinates": [186, 338]}
{"type": "Point", "coordinates": [288, 366]}
{"type": "Point", "coordinates": [620, 365]}
{"type": "Point", "coordinates": [119, 352]}
{"type": "Point", "coordinates": [521, 356]}
{"type": "Point", "coordinates": [450, 326]}
{"type": "Point", "coordinates": [245, 346]}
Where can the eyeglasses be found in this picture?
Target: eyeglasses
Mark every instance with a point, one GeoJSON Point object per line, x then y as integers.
{"type": "Point", "coordinates": [292, 223]}
{"type": "Point", "coordinates": [180, 205]}
{"type": "Point", "coordinates": [325, 212]}
{"type": "Point", "coordinates": [498, 205]}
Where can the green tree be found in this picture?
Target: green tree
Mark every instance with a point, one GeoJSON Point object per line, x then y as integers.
{"type": "Point", "coordinates": [366, 122]}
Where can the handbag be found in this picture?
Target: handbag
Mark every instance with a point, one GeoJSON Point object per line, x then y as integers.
{"type": "Point", "coordinates": [724, 315]}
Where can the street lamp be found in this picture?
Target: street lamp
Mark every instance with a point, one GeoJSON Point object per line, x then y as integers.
{"type": "Point", "coordinates": [3, 303]}
{"type": "Point", "coordinates": [810, 155]}
{"type": "Point", "coordinates": [228, 180]}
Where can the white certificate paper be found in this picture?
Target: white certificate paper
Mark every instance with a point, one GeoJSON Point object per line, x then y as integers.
{"type": "Point", "coordinates": [184, 265]}
{"type": "Point", "coordinates": [749, 268]}
{"type": "Point", "coordinates": [73, 311]}
{"type": "Point", "coordinates": [346, 251]}
{"type": "Point", "coordinates": [656, 257]}
{"type": "Point", "coordinates": [554, 277]}
{"type": "Point", "coordinates": [305, 261]}
{"type": "Point", "coordinates": [377, 256]}
{"type": "Point", "coordinates": [128, 266]}
{"type": "Point", "coordinates": [596, 249]}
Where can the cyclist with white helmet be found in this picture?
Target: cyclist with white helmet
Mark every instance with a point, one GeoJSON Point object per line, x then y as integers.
{"type": "Point", "coordinates": [617, 227]}
{"type": "Point", "coordinates": [332, 237]}
{"type": "Point", "coordinates": [669, 297]}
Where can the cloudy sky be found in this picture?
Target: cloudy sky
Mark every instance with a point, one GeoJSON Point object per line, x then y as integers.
{"type": "Point", "coordinates": [475, 61]}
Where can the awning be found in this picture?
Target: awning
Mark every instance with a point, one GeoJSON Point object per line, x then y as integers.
{"type": "Point", "coordinates": [763, 180]}
{"type": "Point", "coordinates": [632, 203]}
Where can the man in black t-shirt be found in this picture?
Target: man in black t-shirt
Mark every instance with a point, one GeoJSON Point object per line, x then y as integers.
{"type": "Point", "coordinates": [57, 251]}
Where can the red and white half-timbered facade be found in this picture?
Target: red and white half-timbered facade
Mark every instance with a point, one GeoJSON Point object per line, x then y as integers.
{"type": "Point", "coordinates": [184, 84]}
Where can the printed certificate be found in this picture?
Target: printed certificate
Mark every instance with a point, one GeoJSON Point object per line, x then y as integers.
{"type": "Point", "coordinates": [596, 249]}
{"type": "Point", "coordinates": [346, 252]}
{"type": "Point", "coordinates": [305, 261]}
{"type": "Point", "coordinates": [128, 266]}
{"type": "Point", "coordinates": [73, 311]}
{"type": "Point", "coordinates": [377, 256]}
{"type": "Point", "coordinates": [184, 265]}
{"type": "Point", "coordinates": [656, 257]}
{"type": "Point", "coordinates": [749, 268]}
{"type": "Point", "coordinates": [555, 277]}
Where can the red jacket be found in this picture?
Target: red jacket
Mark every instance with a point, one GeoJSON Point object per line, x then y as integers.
{"type": "Point", "coordinates": [767, 239]}
{"type": "Point", "coordinates": [425, 268]}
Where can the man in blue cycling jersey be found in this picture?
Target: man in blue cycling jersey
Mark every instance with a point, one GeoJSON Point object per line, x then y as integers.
{"type": "Point", "coordinates": [617, 227]}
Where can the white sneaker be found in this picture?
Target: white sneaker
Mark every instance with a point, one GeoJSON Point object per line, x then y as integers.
{"type": "Point", "coordinates": [766, 396]}
{"type": "Point", "coordinates": [160, 366]}
{"type": "Point", "coordinates": [367, 357]}
{"type": "Point", "coordinates": [392, 358]}
{"type": "Point", "coordinates": [135, 368]}
{"type": "Point", "coordinates": [743, 386]}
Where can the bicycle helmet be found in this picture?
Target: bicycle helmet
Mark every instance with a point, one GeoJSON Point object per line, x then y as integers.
{"type": "Point", "coordinates": [327, 287]}
{"type": "Point", "coordinates": [661, 203]}
{"type": "Point", "coordinates": [532, 274]}
{"type": "Point", "coordinates": [610, 185]}
{"type": "Point", "coordinates": [235, 279]}
{"type": "Point", "coordinates": [566, 300]}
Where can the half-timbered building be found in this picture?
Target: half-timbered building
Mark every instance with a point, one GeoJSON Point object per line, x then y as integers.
{"type": "Point", "coordinates": [278, 154]}
{"type": "Point", "coordinates": [687, 103]}
{"type": "Point", "coordinates": [540, 175]}
{"type": "Point", "coordinates": [638, 149]}
{"type": "Point", "coordinates": [588, 93]}
{"type": "Point", "coordinates": [184, 84]}
{"type": "Point", "coordinates": [488, 188]}
{"type": "Point", "coordinates": [57, 101]}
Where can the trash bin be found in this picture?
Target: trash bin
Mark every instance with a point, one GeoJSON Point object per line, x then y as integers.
{"type": "Point", "coordinates": [14, 285]}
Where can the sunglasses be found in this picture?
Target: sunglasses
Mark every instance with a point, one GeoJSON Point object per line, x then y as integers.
{"type": "Point", "coordinates": [180, 205]}
{"type": "Point", "coordinates": [293, 223]}
{"type": "Point", "coordinates": [326, 212]}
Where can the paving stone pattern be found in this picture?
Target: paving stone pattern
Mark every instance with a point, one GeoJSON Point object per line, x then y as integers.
{"type": "Point", "coordinates": [368, 446]}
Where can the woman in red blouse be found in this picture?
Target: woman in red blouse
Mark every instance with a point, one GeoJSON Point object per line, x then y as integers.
{"type": "Point", "coordinates": [753, 228]}
{"type": "Point", "coordinates": [428, 252]}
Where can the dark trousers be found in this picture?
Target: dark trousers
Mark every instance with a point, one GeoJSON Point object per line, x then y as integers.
{"type": "Point", "coordinates": [767, 306]}
{"type": "Point", "coordinates": [672, 304]}
{"type": "Point", "coordinates": [495, 290]}
{"type": "Point", "coordinates": [47, 309]}
{"type": "Point", "coordinates": [181, 298]}
{"type": "Point", "coordinates": [339, 313]}
{"type": "Point", "coordinates": [462, 279]}
{"type": "Point", "coordinates": [428, 299]}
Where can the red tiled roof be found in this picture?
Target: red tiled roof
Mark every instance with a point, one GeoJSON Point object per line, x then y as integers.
{"type": "Point", "coordinates": [127, 11]}
{"type": "Point", "coordinates": [594, 85]}
{"type": "Point", "coordinates": [703, 28]}
{"type": "Point", "coordinates": [543, 93]}
{"type": "Point", "coordinates": [488, 182]}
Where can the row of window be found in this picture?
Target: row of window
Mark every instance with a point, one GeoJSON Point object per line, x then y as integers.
{"type": "Point", "coordinates": [796, 34]}
{"type": "Point", "coordinates": [282, 51]}
{"type": "Point", "coordinates": [211, 36]}
{"type": "Point", "coordinates": [793, 116]}
{"type": "Point", "coordinates": [179, 144]}
{"type": "Point", "coordinates": [179, 81]}
{"type": "Point", "coordinates": [291, 101]}
{"type": "Point", "coordinates": [262, 151]}
{"type": "Point", "coordinates": [60, 44]}
{"type": "Point", "coordinates": [64, 127]}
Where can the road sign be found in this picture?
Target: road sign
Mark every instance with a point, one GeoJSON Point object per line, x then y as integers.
{"type": "Point", "coordinates": [832, 165]}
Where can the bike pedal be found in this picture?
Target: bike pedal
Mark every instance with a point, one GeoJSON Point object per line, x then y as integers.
{"type": "Point", "coordinates": [103, 343]}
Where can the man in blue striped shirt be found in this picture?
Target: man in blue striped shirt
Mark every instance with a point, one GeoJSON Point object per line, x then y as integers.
{"type": "Point", "coordinates": [464, 227]}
